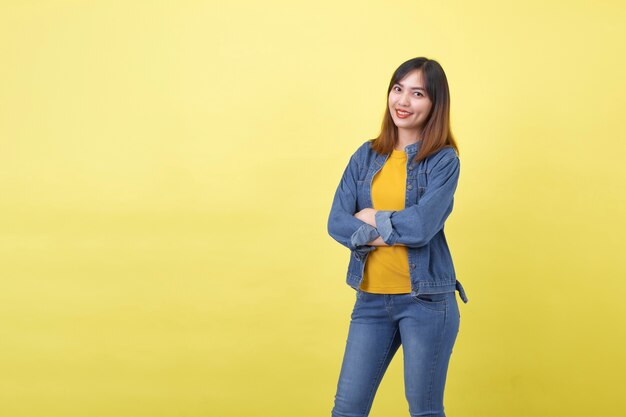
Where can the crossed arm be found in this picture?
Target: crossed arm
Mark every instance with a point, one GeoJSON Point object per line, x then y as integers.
{"type": "Point", "coordinates": [413, 226]}
{"type": "Point", "coordinates": [368, 215]}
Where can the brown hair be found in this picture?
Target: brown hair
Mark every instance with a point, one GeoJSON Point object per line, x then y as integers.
{"type": "Point", "coordinates": [436, 133]}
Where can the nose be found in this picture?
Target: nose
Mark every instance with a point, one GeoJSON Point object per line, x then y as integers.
{"type": "Point", "coordinates": [404, 99]}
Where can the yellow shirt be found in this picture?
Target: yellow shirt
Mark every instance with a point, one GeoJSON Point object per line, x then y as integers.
{"type": "Point", "coordinates": [387, 267]}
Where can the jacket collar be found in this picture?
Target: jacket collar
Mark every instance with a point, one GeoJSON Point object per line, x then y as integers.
{"type": "Point", "coordinates": [409, 149]}
{"type": "Point", "coordinates": [413, 148]}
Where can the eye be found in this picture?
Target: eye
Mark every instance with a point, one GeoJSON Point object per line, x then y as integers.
{"type": "Point", "coordinates": [394, 88]}
{"type": "Point", "coordinates": [417, 92]}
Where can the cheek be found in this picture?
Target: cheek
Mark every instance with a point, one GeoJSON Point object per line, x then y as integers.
{"type": "Point", "coordinates": [423, 109]}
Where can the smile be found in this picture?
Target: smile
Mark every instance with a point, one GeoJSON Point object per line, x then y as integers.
{"type": "Point", "coordinates": [402, 114]}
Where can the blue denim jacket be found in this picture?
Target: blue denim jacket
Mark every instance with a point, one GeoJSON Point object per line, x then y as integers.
{"type": "Point", "coordinates": [430, 187]}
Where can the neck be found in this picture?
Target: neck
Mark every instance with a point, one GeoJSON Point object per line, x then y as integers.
{"type": "Point", "coordinates": [407, 137]}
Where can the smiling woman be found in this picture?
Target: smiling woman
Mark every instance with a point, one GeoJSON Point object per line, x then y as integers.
{"type": "Point", "coordinates": [389, 210]}
{"type": "Point", "coordinates": [418, 87]}
{"type": "Point", "coordinates": [414, 106]}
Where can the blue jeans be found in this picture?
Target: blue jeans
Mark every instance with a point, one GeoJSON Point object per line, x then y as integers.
{"type": "Point", "coordinates": [426, 326]}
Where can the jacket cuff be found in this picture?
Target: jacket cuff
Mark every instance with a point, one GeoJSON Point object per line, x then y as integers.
{"type": "Point", "coordinates": [383, 224]}
{"type": "Point", "coordinates": [363, 235]}
{"type": "Point", "coordinates": [361, 251]}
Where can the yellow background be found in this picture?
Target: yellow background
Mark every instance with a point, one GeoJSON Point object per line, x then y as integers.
{"type": "Point", "coordinates": [167, 169]}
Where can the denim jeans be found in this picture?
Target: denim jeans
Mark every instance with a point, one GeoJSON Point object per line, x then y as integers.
{"type": "Point", "coordinates": [425, 325]}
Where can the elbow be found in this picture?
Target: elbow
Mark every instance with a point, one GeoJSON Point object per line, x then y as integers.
{"type": "Point", "coordinates": [333, 231]}
{"type": "Point", "coordinates": [330, 225]}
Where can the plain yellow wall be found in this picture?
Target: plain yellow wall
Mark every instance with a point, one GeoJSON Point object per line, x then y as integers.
{"type": "Point", "coordinates": [167, 169]}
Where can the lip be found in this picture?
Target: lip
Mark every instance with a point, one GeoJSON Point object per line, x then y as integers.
{"type": "Point", "coordinates": [402, 116]}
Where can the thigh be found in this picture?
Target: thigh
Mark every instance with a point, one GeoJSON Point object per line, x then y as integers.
{"type": "Point", "coordinates": [428, 334]}
{"type": "Point", "coordinates": [373, 339]}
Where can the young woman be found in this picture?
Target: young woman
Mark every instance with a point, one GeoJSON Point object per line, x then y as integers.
{"type": "Point", "coordinates": [389, 210]}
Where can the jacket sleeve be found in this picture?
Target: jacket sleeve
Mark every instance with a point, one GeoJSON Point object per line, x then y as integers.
{"type": "Point", "coordinates": [342, 225]}
{"type": "Point", "coordinates": [416, 225]}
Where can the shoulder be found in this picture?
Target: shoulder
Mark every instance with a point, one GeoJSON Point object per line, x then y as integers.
{"type": "Point", "coordinates": [361, 153]}
{"type": "Point", "coordinates": [365, 147]}
{"type": "Point", "coordinates": [443, 162]}
{"type": "Point", "coordinates": [444, 153]}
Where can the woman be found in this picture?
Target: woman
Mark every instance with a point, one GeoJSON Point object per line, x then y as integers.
{"type": "Point", "coordinates": [389, 210]}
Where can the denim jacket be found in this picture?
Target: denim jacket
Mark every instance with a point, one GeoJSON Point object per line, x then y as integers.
{"type": "Point", "coordinates": [430, 187]}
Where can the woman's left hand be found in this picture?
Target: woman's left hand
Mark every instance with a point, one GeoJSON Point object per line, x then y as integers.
{"type": "Point", "coordinates": [367, 215]}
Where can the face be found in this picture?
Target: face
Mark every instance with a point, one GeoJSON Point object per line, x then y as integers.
{"type": "Point", "coordinates": [409, 94]}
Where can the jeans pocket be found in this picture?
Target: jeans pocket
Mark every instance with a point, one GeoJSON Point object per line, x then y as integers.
{"type": "Point", "coordinates": [435, 302]}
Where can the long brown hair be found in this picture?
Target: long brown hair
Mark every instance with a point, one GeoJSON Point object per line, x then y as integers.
{"type": "Point", "coordinates": [436, 133]}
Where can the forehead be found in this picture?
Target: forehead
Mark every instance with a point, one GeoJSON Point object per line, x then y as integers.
{"type": "Point", "coordinates": [413, 79]}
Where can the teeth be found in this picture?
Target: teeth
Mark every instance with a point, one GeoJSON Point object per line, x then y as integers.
{"type": "Point", "coordinates": [403, 112]}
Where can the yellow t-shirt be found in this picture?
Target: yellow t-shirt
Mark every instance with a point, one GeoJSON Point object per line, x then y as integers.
{"type": "Point", "coordinates": [387, 267]}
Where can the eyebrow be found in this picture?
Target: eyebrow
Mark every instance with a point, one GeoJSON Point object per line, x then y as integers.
{"type": "Point", "coordinates": [413, 88]}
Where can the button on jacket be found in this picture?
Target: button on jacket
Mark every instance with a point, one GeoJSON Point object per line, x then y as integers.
{"type": "Point", "coordinates": [419, 226]}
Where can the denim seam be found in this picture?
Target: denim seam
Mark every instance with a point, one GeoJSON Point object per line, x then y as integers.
{"type": "Point", "coordinates": [432, 372]}
{"type": "Point", "coordinates": [378, 374]}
